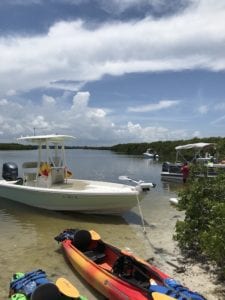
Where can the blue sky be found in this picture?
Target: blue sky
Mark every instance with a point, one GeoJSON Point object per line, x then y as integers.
{"type": "Point", "coordinates": [112, 72]}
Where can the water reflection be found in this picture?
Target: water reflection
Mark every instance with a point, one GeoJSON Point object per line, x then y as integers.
{"type": "Point", "coordinates": [172, 186]}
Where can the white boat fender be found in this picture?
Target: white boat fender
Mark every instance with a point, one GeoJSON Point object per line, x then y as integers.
{"type": "Point", "coordinates": [174, 201]}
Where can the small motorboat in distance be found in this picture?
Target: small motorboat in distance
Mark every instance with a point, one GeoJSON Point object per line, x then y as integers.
{"type": "Point", "coordinates": [117, 274]}
{"type": "Point", "coordinates": [47, 183]}
{"type": "Point", "coordinates": [151, 154]}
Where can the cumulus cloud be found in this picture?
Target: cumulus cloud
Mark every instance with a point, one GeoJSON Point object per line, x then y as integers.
{"type": "Point", "coordinates": [91, 125]}
{"type": "Point", "coordinates": [71, 54]}
{"type": "Point", "coordinates": [154, 106]}
{"type": "Point", "coordinates": [135, 132]}
{"type": "Point", "coordinates": [71, 51]}
{"type": "Point", "coordinates": [80, 101]}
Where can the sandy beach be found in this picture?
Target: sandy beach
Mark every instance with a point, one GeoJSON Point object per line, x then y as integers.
{"type": "Point", "coordinates": [165, 254]}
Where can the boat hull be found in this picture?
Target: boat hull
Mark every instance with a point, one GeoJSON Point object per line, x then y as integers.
{"type": "Point", "coordinates": [171, 172]}
{"type": "Point", "coordinates": [75, 195]}
{"type": "Point", "coordinates": [174, 177]}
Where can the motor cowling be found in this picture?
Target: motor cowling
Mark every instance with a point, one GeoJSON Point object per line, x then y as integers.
{"type": "Point", "coordinates": [10, 171]}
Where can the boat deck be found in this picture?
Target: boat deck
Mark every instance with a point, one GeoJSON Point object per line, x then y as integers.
{"type": "Point", "coordinates": [83, 186]}
{"type": "Point", "coordinates": [74, 185]}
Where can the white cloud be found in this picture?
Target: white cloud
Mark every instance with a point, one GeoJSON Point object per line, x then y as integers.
{"type": "Point", "coordinates": [203, 109]}
{"type": "Point", "coordinates": [68, 85]}
{"type": "Point", "coordinates": [3, 102]}
{"type": "Point", "coordinates": [154, 106]}
{"type": "Point", "coordinates": [70, 51]}
{"type": "Point", "coordinates": [71, 54]}
{"type": "Point", "coordinates": [91, 125]}
{"type": "Point", "coordinates": [137, 133]}
{"type": "Point", "coordinates": [48, 100]}
{"type": "Point", "coordinates": [80, 101]}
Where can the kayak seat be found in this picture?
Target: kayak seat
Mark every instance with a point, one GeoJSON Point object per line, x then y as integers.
{"type": "Point", "coordinates": [97, 254]}
{"type": "Point", "coordinates": [127, 269]}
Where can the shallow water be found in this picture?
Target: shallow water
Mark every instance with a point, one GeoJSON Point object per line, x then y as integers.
{"type": "Point", "coordinates": [27, 234]}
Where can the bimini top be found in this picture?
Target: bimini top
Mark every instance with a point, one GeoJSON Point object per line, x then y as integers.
{"type": "Point", "coordinates": [51, 138]}
{"type": "Point", "coordinates": [195, 146]}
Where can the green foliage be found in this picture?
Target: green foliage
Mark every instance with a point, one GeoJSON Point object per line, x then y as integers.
{"type": "Point", "coordinates": [166, 149]}
{"type": "Point", "coordinates": [203, 230]}
{"type": "Point", "coordinates": [14, 146]}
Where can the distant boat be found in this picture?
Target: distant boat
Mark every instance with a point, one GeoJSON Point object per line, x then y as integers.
{"type": "Point", "coordinates": [151, 154]}
{"type": "Point", "coordinates": [172, 171]}
{"type": "Point", "coordinates": [47, 183]}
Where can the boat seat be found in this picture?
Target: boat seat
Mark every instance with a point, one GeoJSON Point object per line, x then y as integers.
{"type": "Point", "coordinates": [57, 161]}
{"type": "Point", "coordinates": [82, 240]}
{"type": "Point", "coordinates": [128, 269]}
{"type": "Point", "coordinates": [30, 165]}
{"type": "Point", "coordinates": [95, 256]}
{"type": "Point", "coordinates": [29, 176]}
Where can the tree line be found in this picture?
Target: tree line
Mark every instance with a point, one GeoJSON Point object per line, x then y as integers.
{"type": "Point", "coordinates": [165, 149]}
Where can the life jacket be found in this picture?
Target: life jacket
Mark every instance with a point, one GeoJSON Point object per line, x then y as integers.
{"type": "Point", "coordinates": [174, 289]}
{"type": "Point", "coordinates": [27, 283]}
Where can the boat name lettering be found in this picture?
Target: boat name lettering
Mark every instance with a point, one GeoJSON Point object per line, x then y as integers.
{"type": "Point", "coordinates": [70, 196]}
{"type": "Point", "coordinates": [118, 291]}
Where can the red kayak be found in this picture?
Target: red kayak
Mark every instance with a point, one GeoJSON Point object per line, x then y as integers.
{"type": "Point", "coordinates": [117, 274]}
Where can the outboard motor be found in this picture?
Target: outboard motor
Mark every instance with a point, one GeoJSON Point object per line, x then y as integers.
{"type": "Point", "coordinates": [10, 171]}
{"type": "Point", "coordinates": [165, 167]}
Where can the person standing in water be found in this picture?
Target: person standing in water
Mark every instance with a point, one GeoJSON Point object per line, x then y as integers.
{"type": "Point", "coordinates": [185, 171]}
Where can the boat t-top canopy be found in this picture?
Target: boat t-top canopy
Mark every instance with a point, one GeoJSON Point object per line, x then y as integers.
{"type": "Point", "coordinates": [51, 138]}
{"type": "Point", "coordinates": [197, 146]}
{"type": "Point", "coordinates": [54, 156]}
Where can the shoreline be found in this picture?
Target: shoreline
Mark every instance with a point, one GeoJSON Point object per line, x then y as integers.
{"type": "Point", "coordinates": [162, 251]}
